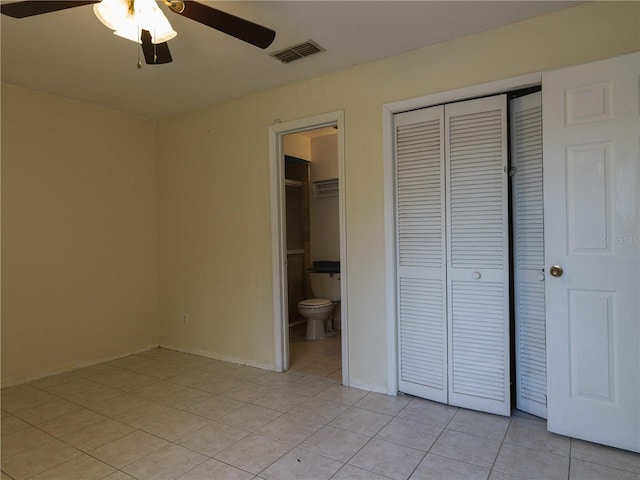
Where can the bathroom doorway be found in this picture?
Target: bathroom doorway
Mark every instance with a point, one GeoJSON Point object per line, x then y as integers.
{"type": "Point", "coordinates": [309, 240]}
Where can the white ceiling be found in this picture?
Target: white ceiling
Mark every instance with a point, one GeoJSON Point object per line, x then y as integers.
{"type": "Point", "coordinates": [71, 54]}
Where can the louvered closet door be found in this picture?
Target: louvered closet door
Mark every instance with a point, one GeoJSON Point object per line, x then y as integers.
{"type": "Point", "coordinates": [478, 254]}
{"type": "Point", "coordinates": [420, 231]}
{"type": "Point", "coordinates": [528, 254]}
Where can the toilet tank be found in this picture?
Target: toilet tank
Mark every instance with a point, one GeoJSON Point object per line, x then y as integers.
{"type": "Point", "coordinates": [326, 285]}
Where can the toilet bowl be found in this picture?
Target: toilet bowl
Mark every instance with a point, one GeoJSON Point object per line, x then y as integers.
{"type": "Point", "coordinates": [319, 311]}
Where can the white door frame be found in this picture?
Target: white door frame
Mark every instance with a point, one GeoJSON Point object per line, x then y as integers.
{"type": "Point", "coordinates": [278, 233]}
{"type": "Point", "coordinates": [388, 111]}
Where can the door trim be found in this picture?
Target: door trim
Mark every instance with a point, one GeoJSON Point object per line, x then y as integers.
{"type": "Point", "coordinates": [278, 235]}
{"type": "Point", "coordinates": [388, 112]}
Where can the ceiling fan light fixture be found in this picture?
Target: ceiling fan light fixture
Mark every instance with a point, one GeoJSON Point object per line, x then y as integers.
{"type": "Point", "coordinates": [111, 12]}
{"type": "Point", "coordinates": [129, 17]}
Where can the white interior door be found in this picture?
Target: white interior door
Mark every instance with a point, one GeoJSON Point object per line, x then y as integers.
{"type": "Point", "coordinates": [478, 254]}
{"type": "Point", "coordinates": [528, 254]}
{"type": "Point", "coordinates": [420, 262]}
{"type": "Point", "coordinates": [591, 225]}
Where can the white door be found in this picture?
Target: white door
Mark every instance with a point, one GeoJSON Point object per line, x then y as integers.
{"type": "Point", "coordinates": [591, 224]}
{"type": "Point", "coordinates": [528, 254]}
{"type": "Point", "coordinates": [478, 254]}
{"type": "Point", "coordinates": [420, 254]}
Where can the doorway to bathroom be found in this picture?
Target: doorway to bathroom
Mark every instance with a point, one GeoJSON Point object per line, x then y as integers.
{"type": "Point", "coordinates": [309, 246]}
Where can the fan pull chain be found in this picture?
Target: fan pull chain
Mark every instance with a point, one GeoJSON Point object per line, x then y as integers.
{"type": "Point", "coordinates": [139, 48]}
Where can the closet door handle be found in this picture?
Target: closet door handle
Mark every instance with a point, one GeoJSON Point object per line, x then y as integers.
{"type": "Point", "coordinates": [477, 275]}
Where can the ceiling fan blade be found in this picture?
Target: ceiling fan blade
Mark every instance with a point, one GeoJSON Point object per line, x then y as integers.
{"type": "Point", "coordinates": [38, 7]}
{"type": "Point", "coordinates": [230, 24]}
{"type": "Point", "coordinates": [154, 54]}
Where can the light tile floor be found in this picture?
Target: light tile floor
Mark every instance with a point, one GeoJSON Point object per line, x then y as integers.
{"type": "Point", "coordinates": [163, 414]}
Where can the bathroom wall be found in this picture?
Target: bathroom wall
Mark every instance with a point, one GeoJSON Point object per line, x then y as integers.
{"type": "Point", "coordinates": [297, 146]}
{"type": "Point", "coordinates": [325, 213]}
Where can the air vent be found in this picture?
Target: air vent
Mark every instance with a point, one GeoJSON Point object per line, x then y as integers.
{"type": "Point", "coordinates": [297, 52]}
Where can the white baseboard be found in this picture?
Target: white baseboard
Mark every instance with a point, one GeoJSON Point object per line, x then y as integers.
{"type": "Point", "coordinates": [368, 387]}
{"type": "Point", "coordinates": [75, 366]}
{"type": "Point", "coordinates": [215, 356]}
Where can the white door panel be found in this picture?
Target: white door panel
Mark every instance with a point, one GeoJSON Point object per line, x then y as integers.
{"type": "Point", "coordinates": [591, 224]}
{"type": "Point", "coordinates": [478, 254]}
{"type": "Point", "coordinates": [420, 237]}
{"type": "Point", "coordinates": [528, 254]}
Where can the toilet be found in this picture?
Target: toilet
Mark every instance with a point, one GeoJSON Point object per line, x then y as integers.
{"type": "Point", "coordinates": [319, 311]}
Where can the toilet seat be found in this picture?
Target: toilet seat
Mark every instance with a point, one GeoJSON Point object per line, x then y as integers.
{"type": "Point", "coordinates": [313, 303]}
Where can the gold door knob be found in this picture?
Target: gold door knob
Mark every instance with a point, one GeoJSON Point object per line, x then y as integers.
{"type": "Point", "coordinates": [555, 271]}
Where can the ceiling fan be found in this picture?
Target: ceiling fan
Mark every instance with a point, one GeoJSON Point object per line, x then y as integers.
{"type": "Point", "coordinates": [143, 22]}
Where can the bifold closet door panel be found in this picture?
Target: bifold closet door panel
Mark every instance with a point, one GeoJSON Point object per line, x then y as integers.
{"type": "Point", "coordinates": [528, 254]}
{"type": "Point", "coordinates": [476, 153]}
{"type": "Point", "coordinates": [420, 250]}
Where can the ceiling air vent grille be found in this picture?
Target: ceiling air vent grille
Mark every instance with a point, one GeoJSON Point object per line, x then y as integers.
{"type": "Point", "coordinates": [296, 52]}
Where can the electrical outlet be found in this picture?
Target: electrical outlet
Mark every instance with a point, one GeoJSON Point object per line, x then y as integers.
{"type": "Point", "coordinates": [185, 318]}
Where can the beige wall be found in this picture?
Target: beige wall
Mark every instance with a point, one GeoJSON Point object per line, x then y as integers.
{"type": "Point", "coordinates": [324, 211]}
{"type": "Point", "coordinates": [297, 146]}
{"type": "Point", "coordinates": [81, 193]}
{"type": "Point", "coordinates": [214, 230]}
{"type": "Point", "coordinates": [79, 279]}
